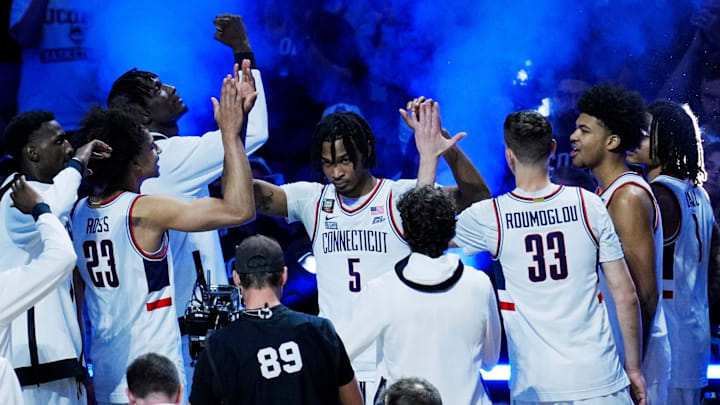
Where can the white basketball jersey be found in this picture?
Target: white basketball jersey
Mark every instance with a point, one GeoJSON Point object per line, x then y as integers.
{"type": "Point", "coordinates": [559, 339]}
{"type": "Point", "coordinates": [656, 361]}
{"type": "Point", "coordinates": [128, 293]}
{"type": "Point", "coordinates": [685, 270]}
{"type": "Point", "coordinates": [352, 247]}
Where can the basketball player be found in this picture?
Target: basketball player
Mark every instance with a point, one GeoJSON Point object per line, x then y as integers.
{"type": "Point", "coordinates": [673, 160]}
{"type": "Point", "coordinates": [46, 340]}
{"type": "Point", "coordinates": [548, 240]}
{"type": "Point", "coordinates": [23, 286]}
{"type": "Point", "coordinates": [611, 122]}
{"type": "Point", "coordinates": [352, 221]}
{"type": "Point", "coordinates": [272, 355]}
{"type": "Point", "coordinates": [429, 286]}
{"type": "Point", "coordinates": [122, 242]}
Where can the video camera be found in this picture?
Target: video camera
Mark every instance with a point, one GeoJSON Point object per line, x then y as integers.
{"type": "Point", "coordinates": [214, 307]}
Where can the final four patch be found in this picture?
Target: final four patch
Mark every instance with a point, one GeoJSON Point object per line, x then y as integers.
{"type": "Point", "coordinates": [328, 204]}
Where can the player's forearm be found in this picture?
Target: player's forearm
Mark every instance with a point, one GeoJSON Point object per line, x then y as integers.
{"type": "Point", "coordinates": [471, 185]}
{"type": "Point", "coordinates": [350, 393]}
{"type": "Point", "coordinates": [257, 122]}
{"type": "Point", "coordinates": [628, 313]}
{"type": "Point", "coordinates": [427, 171]}
{"type": "Point", "coordinates": [237, 179]}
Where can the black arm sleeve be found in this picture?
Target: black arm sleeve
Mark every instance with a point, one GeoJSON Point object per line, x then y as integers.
{"type": "Point", "coordinates": [345, 371]}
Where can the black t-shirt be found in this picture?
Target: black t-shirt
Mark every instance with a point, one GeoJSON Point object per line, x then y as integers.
{"type": "Point", "coordinates": [291, 358]}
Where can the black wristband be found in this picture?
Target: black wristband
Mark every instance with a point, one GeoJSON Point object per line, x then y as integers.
{"type": "Point", "coordinates": [246, 55]}
{"type": "Point", "coordinates": [40, 209]}
{"type": "Point", "coordinates": [75, 164]}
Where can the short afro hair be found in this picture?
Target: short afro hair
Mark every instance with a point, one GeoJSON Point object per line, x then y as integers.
{"type": "Point", "coordinates": [428, 218]}
{"type": "Point", "coordinates": [20, 129]}
{"type": "Point", "coordinates": [529, 135]}
{"type": "Point", "coordinates": [621, 111]}
{"type": "Point", "coordinates": [122, 131]}
{"type": "Point", "coordinates": [355, 133]}
{"type": "Point", "coordinates": [152, 373]}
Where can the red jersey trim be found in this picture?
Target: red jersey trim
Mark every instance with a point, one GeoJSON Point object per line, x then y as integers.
{"type": "Point", "coordinates": [392, 218]}
{"type": "Point", "coordinates": [162, 303]}
{"type": "Point", "coordinates": [108, 201]}
{"type": "Point", "coordinates": [165, 246]}
{"type": "Point", "coordinates": [533, 199]}
{"type": "Point", "coordinates": [652, 198]}
{"type": "Point", "coordinates": [667, 294]}
{"type": "Point", "coordinates": [587, 222]}
{"type": "Point", "coordinates": [601, 191]}
{"type": "Point", "coordinates": [507, 306]}
{"type": "Point", "coordinates": [365, 203]}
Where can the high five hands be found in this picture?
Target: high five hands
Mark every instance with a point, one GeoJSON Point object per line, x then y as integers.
{"type": "Point", "coordinates": [423, 116]}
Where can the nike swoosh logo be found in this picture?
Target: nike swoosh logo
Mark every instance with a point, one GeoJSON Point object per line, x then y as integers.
{"type": "Point", "coordinates": [330, 218]}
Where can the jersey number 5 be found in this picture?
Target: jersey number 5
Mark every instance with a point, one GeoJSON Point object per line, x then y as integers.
{"type": "Point", "coordinates": [270, 367]}
{"type": "Point", "coordinates": [90, 250]}
{"type": "Point", "coordinates": [354, 283]}
{"type": "Point", "coordinates": [555, 241]}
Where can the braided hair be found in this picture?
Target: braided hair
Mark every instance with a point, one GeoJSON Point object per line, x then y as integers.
{"type": "Point", "coordinates": [131, 89]}
{"type": "Point", "coordinates": [675, 141]}
{"type": "Point", "coordinates": [355, 133]}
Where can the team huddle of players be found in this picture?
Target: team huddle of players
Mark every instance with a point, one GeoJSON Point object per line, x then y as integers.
{"type": "Point", "coordinates": [603, 296]}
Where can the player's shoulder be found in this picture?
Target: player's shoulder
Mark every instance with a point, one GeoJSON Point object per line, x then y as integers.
{"type": "Point", "coordinates": [477, 277]}
{"type": "Point", "coordinates": [401, 186]}
{"type": "Point", "coordinates": [303, 187]}
{"type": "Point", "coordinates": [480, 208]}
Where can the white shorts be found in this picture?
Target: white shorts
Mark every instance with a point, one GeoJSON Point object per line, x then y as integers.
{"type": "Point", "coordinates": [621, 397]}
{"type": "Point", "coordinates": [67, 391]}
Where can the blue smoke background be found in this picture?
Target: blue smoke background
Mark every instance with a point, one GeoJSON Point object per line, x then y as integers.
{"type": "Point", "coordinates": [480, 59]}
{"type": "Point", "coordinates": [465, 54]}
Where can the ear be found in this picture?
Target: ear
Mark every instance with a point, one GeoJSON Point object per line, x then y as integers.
{"type": "Point", "coordinates": [178, 397]}
{"type": "Point", "coordinates": [31, 153]}
{"type": "Point", "coordinates": [510, 158]}
{"type": "Point", "coordinates": [131, 398]}
{"type": "Point", "coordinates": [553, 148]}
{"type": "Point", "coordinates": [284, 275]}
{"type": "Point", "coordinates": [613, 142]}
{"type": "Point", "coordinates": [236, 279]}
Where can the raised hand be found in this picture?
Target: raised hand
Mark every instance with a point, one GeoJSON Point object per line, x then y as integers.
{"type": "Point", "coordinates": [411, 108]}
{"type": "Point", "coordinates": [429, 137]}
{"type": "Point", "coordinates": [246, 86]}
{"type": "Point", "coordinates": [24, 197]}
{"type": "Point", "coordinates": [228, 110]}
{"type": "Point", "coordinates": [231, 31]}
{"type": "Point", "coordinates": [95, 149]}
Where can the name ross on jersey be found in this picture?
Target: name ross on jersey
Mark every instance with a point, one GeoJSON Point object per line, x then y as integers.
{"type": "Point", "coordinates": [353, 240]}
{"type": "Point", "coordinates": [533, 219]}
{"type": "Point", "coordinates": [96, 225]}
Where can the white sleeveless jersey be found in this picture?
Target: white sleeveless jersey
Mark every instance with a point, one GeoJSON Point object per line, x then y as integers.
{"type": "Point", "coordinates": [656, 361]}
{"type": "Point", "coordinates": [548, 245]}
{"type": "Point", "coordinates": [685, 270]}
{"type": "Point", "coordinates": [351, 246]}
{"type": "Point", "coordinates": [128, 293]}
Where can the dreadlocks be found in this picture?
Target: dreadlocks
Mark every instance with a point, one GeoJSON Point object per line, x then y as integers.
{"type": "Point", "coordinates": [675, 141]}
{"type": "Point", "coordinates": [131, 88]}
{"type": "Point", "coordinates": [355, 133]}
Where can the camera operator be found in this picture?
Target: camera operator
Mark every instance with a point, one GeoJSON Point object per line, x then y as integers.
{"type": "Point", "coordinates": [271, 354]}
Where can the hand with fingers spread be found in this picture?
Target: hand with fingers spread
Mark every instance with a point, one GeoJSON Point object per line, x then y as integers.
{"type": "Point", "coordinates": [429, 133]}
{"type": "Point", "coordinates": [228, 110]}
{"type": "Point", "coordinates": [246, 86]}
{"type": "Point", "coordinates": [95, 149]}
{"type": "Point", "coordinates": [231, 31]}
{"type": "Point", "coordinates": [24, 197]}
